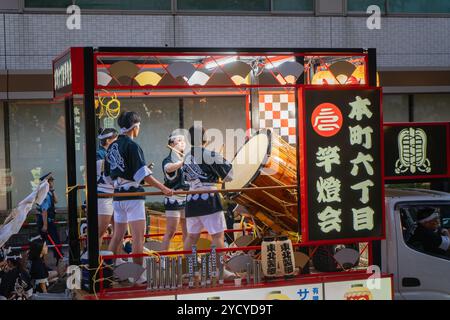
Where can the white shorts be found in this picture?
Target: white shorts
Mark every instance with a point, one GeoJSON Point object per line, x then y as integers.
{"type": "Point", "coordinates": [105, 206]}
{"type": "Point", "coordinates": [213, 223]}
{"type": "Point", "coordinates": [129, 210]}
{"type": "Point", "coordinates": [175, 214]}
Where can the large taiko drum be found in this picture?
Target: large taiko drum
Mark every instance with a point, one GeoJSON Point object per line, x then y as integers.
{"type": "Point", "coordinates": [267, 160]}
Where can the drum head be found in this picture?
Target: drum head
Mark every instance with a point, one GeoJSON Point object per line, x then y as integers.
{"type": "Point", "coordinates": [249, 159]}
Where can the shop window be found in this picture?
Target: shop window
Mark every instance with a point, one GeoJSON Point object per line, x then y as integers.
{"type": "Point", "coordinates": [38, 145]}
{"type": "Point", "coordinates": [362, 5]}
{"type": "Point", "coordinates": [431, 107]}
{"type": "Point", "coordinates": [224, 5]}
{"type": "Point", "coordinates": [289, 5]}
{"type": "Point", "coordinates": [418, 6]}
{"type": "Point", "coordinates": [395, 108]}
{"type": "Point", "coordinates": [414, 238]}
{"type": "Point", "coordinates": [106, 5]}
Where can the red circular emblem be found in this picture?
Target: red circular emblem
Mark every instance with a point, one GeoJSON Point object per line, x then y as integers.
{"type": "Point", "coordinates": [326, 119]}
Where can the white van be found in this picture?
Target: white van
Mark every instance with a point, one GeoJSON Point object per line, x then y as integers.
{"type": "Point", "coordinates": [417, 275]}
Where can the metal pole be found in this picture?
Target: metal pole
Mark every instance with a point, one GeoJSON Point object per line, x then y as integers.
{"type": "Point", "coordinates": [90, 160]}
{"type": "Point", "coordinates": [74, 244]}
{"type": "Point", "coordinates": [372, 68]}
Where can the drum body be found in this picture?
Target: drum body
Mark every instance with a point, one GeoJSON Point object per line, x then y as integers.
{"type": "Point", "coordinates": [267, 160]}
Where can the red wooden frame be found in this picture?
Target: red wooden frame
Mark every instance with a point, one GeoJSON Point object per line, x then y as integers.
{"type": "Point", "coordinates": [447, 150]}
{"type": "Point", "coordinates": [141, 292]}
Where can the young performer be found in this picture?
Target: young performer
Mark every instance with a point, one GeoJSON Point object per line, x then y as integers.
{"type": "Point", "coordinates": [173, 178]}
{"type": "Point", "coordinates": [125, 165]}
{"type": "Point", "coordinates": [202, 169]}
{"type": "Point", "coordinates": [105, 205]}
{"type": "Point", "coordinates": [39, 272]}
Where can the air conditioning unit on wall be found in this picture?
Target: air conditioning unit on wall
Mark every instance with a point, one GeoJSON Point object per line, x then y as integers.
{"type": "Point", "coordinates": [331, 7]}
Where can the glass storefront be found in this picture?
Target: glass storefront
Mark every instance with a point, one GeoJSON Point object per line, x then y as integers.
{"type": "Point", "coordinates": [431, 107]}
{"type": "Point", "coordinates": [395, 108]}
{"type": "Point", "coordinates": [37, 146]}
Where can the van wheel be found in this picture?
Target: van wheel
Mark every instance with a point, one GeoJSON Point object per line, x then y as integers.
{"type": "Point", "coordinates": [323, 258]}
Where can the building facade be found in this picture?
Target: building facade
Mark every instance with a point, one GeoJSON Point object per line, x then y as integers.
{"type": "Point", "coordinates": [413, 57]}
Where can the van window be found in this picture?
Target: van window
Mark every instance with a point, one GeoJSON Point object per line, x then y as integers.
{"type": "Point", "coordinates": [426, 238]}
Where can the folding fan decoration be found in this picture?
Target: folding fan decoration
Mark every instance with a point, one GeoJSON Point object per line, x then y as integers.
{"type": "Point", "coordinates": [289, 72]}
{"type": "Point", "coordinates": [123, 73]}
{"type": "Point", "coordinates": [146, 78]}
{"type": "Point", "coordinates": [349, 71]}
{"type": "Point", "coordinates": [232, 71]}
{"type": "Point", "coordinates": [239, 72]}
{"type": "Point", "coordinates": [342, 71]}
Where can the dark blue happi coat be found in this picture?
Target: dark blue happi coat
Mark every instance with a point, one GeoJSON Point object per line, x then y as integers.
{"type": "Point", "coordinates": [175, 181]}
{"type": "Point", "coordinates": [202, 169]}
{"type": "Point", "coordinates": [125, 166]}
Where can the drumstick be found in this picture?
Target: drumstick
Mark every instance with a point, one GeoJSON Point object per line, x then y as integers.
{"type": "Point", "coordinates": [221, 150]}
{"type": "Point", "coordinates": [179, 153]}
{"type": "Point", "coordinates": [199, 191]}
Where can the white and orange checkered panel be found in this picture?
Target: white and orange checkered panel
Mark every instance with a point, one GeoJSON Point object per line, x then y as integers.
{"type": "Point", "coordinates": [277, 111]}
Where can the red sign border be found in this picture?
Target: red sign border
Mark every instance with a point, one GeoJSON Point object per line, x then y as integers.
{"type": "Point", "coordinates": [303, 170]}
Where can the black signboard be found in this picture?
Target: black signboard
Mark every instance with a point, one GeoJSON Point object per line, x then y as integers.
{"type": "Point", "coordinates": [416, 151]}
{"type": "Point", "coordinates": [62, 75]}
{"type": "Point", "coordinates": [341, 165]}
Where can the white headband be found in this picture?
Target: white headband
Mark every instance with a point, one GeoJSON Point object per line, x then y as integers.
{"type": "Point", "coordinates": [104, 136]}
{"type": "Point", "coordinates": [125, 130]}
{"type": "Point", "coordinates": [35, 238]}
{"type": "Point", "coordinates": [433, 216]}
{"type": "Point", "coordinates": [13, 257]}
{"type": "Point", "coordinates": [172, 138]}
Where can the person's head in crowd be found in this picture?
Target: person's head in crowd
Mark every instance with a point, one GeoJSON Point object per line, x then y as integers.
{"type": "Point", "coordinates": [50, 179]}
{"type": "Point", "coordinates": [38, 248]}
{"type": "Point", "coordinates": [197, 136]}
{"type": "Point", "coordinates": [15, 282]}
{"type": "Point", "coordinates": [429, 218]}
{"type": "Point", "coordinates": [177, 142]}
{"type": "Point", "coordinates": [129, 123]}
{"type": "Point", "coordinates": [107, 136]}
{"type": "Point", "coordinates": [15, 260]}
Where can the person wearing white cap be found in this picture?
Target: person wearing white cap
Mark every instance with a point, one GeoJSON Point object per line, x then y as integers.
{"type": "Point", "coordinates": [125, 165]}
{"type": "Point", "coordinates": [429, 234]}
